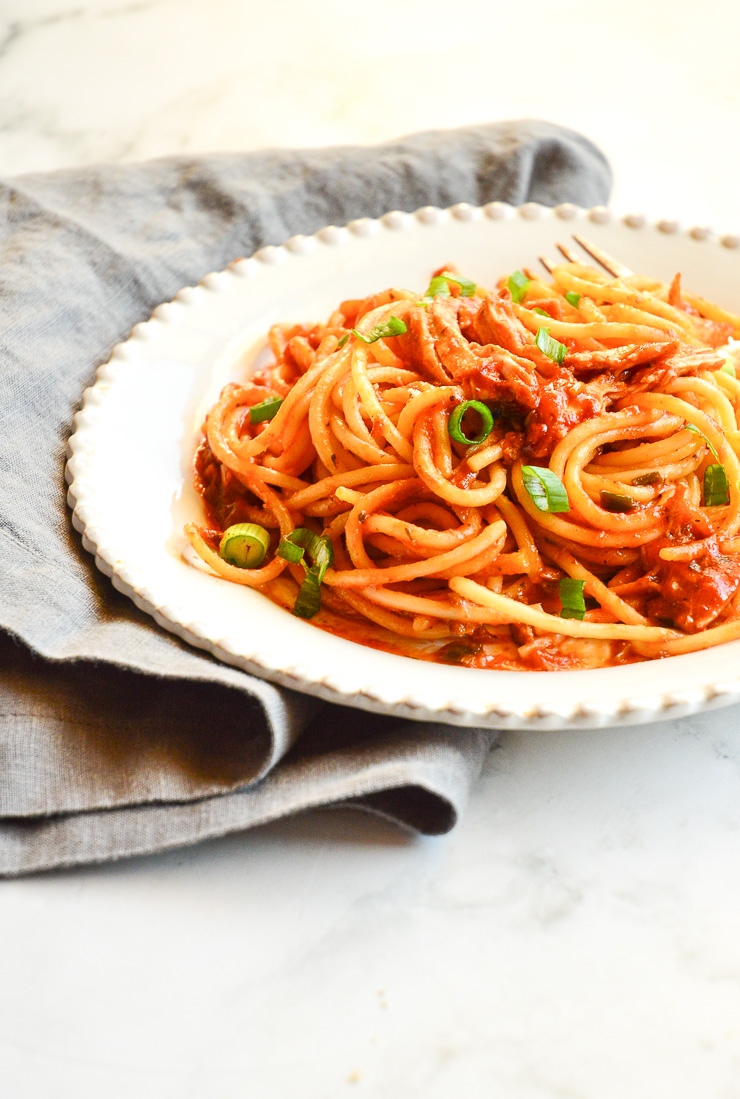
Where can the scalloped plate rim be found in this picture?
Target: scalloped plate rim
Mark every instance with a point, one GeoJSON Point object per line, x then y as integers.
{"type": "Point", "coordinates": [588, 712]}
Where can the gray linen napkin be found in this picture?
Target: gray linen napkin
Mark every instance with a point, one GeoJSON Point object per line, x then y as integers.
{"type": "Point", "coordinates": [115, 737]}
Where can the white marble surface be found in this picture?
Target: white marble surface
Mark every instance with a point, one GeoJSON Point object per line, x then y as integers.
{"type": "Point", "coordinates": [657, 85]}
{"type": "Point", "coordinates": [576, 936]}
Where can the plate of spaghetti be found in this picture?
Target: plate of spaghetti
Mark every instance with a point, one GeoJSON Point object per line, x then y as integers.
{"type": "Point", "coordinates": [405, 466]}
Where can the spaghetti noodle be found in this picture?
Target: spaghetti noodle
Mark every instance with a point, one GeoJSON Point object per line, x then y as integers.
{"type": "Point", "coordinates": [541, 476]}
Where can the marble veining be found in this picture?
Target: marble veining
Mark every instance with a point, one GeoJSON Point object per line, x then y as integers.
{"type": "Point", "coordinates": [110, 80]}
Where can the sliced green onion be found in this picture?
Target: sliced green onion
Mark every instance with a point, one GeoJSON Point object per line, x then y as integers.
{"type": "Point", "coordinates": [467, 288]}
{"type": "Point", "coordinates": [542, 312]}
{"type": "Point", "coordinates": [728, 367]}
{"type": "Point", "coordinates": [320, 551]}
{"type": "Point", "coordinates": [343, 339]}
{"type": "Point", "coordinates": [392, 327]}
{"type": "Point", "coordinates": [244, 545]}
{"type": "Point", "coordinates": [323, 556]}
{"type": "Point", "coordinates": [571, 598]}
{"type": "Point", "coordinates": [289, 551]}
{"type": "Point", "coordinates": [518, 285]}
{"type": "Point", "coordinates": [308, 600]}
{"type": "Point", "coordinates": [301, 536]}
{"type": "Point", "coordinates": [546, 489]}
{"type": "Point", "coordinates": [651, 478]}
{"type": "Point", "coordinates": [454, 424]}
{"type": "Point", "coordinates": [265, 410]}
{"type": "Point", "coordinates": [457, 651]}
{"type": "Point", "coordinates": [572, 298]}
{"type": "Point", "coordinates": [616, 501]}
{"type": "Point", "coordinates": [716, 487]}
{"type": "Point", "coordinates": [690, 427]}
{"type": "Point", "coordinates": [318, 548]}
{"type": "Point", "coordinates": [550, 347]}
{"type": "Point", "coordinates": [438, 288]}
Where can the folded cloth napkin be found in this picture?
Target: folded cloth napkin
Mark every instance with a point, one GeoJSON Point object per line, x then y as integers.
{"type": "Point", "coordinates": [116, 738]}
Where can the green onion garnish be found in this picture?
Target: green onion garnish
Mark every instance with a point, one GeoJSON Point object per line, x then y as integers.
{"type": "Point", "coordinates": [343, 339]}
{"type": "Point", "coordinates": [616, 501]}
{"type": "Point", "coordinates": [244, 545]}
{"type": "Point", "coordinates": [716, 487]}
{"type": "Point", "coordinates": [518, 285]}
{"type": "Point", "coordinates": [318, 548]}
{"type": "Point", "coordinates": [550, 347]}
{"type": "Point", "coordinates": [391, 327]}
{"type": "Point", "coordinates": [571, 598]}
{"type": "Point", "coordinates": [728, 367]}
{"type": "Point", "coordinates": [454, 424]}
{"type": "Point", "coordinates": [308, 600]}
{"type": "Point", "coordinates": [690, 427]}
{"type": "Point", "coordinates": [572, 298]}
{"type": "Point", "coordinates": [651, 478]}
{"type": "Point", "coordinates": [321, 553]}
{"type": "Point", "coordinates": [546, 489]}
{"type": "Point", "coordinates": [439, 287]}
{"type": "Point", "coordinates": [289, 551]}
{"type": "Point", "coordinates": [457, 651]}
{"type": "Point", "coordinates": [467, 288]}
{"type": "Point", "coordinates": [542, 312]}
{"type": "Point", "coordinates": [323, 556]}
{"type": "Point", "coordinates": [265, 410]}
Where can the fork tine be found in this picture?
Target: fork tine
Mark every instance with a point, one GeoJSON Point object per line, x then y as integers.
{"type": "Point", "coordinates": [568, 253]}
{"type": "Point", "coordinates": [609, 263]}
{"type": "Point", "coordinates": [547, 264]}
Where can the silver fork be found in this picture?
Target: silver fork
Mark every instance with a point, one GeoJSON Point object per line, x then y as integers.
{"type": "Point", "coordinates": [611, 265]}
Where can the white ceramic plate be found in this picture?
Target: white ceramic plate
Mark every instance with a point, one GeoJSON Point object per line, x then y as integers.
{"type": "Point", "coordinates": [131, 501]}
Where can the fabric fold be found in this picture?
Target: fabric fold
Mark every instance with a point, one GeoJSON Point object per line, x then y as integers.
{"type": "Point", "coordinates": [419, 776]}
{"type": "Point", "coordinates": [117, 738]}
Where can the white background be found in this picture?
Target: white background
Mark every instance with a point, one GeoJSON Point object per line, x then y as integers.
{"type": "Point", "coordinates": [576, 937]}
